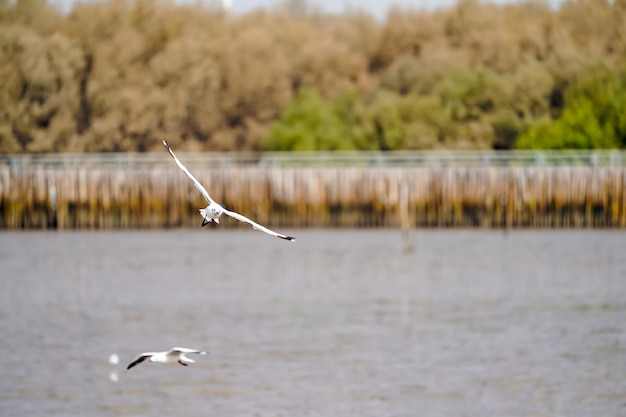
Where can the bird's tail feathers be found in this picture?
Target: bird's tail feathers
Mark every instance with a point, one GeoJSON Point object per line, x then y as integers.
{"type": "Point", "coordinates": [205, 218]}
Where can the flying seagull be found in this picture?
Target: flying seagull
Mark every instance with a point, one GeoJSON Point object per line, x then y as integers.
{"type": "Point", "coordinates": [213, 211]}
{"type": "Point", "coordinates": [173, 355]}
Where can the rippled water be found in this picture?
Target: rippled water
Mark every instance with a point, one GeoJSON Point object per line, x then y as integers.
{"type": "Point", "coordinates": [343, 323]}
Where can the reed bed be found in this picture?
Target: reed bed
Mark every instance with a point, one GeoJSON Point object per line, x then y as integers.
{"type": "Point", "coordinates": [75, 197]}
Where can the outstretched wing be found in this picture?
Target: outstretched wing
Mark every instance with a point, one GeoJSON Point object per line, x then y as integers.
{"type": "Point", "coordinates": [257, 226]}
{"type": "Point", "coordinates": [186, 350]}
{"type": "Point", "coordinates": [139, 359]}
{"type": "Point", "coordinates": [196, 183]}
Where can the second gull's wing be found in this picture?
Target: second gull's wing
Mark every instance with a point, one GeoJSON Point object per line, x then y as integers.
{"type": "Point", "coordinates": [140, 359]}
{"type": "Point", "coordinates": [186, 350]}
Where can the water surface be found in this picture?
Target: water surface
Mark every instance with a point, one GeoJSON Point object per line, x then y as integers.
{"type": "Point", "coordinates": [342, 323]}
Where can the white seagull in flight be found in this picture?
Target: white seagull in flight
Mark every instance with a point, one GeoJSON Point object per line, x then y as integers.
{"type": "Point", "coordinates": [173, 355]}
{"type": "Point", "coordinates": [213, 211]}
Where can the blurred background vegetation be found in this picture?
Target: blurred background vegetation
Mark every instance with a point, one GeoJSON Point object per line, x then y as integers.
{"type": "Point", "coordinates": [117, 75]}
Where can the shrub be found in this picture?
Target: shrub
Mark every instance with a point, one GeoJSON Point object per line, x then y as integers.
{"type": "Point", "coordinates": [594, 116]}
{"type": "Point", "coordinates": [309, 123]}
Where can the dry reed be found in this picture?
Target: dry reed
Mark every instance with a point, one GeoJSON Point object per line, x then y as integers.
{"type": "Point", "coordinates": [36, 197]}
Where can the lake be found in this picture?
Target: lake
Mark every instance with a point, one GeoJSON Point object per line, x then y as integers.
{"type": "Point", "coordinates": [342, 323]}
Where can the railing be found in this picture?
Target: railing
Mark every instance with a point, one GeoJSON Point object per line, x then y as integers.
{"type": "Point", "coordinates": [447, 158]}
{"type": "Point", "coordinates": [331, 159]}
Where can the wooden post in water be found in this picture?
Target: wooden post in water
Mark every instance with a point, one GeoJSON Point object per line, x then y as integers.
{"type": "Point", "coordinates": [405, 216]}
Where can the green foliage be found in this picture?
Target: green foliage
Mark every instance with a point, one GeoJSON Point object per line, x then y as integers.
{"type": "Point", "coordinates": [407, 122]}
{"type": "Point", "coordinates": [310, 123]}
{"type": "Point", "coordinates": [577, 128]}
{"type": "Point", "coordinates": [594, 116]}
{"type": "Point", "coordinates": [388, 122]}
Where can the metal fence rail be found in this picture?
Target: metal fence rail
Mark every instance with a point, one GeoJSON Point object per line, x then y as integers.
{"type": "Point", "coordinates": [331, 159]}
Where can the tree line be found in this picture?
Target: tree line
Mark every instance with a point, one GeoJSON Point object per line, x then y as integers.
{"type": "Point", "coordinates": [118, 75]}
